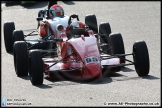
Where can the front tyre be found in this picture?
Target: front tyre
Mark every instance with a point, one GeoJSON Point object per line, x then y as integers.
{"type": "Point", "coordinates": [117, 45]}
{"type": "Point", "coordinates": [35, 67]}
{"type": "Point", "coordinates": [141, 58]}
{"type": "Point", "coordinates": [20, 58]}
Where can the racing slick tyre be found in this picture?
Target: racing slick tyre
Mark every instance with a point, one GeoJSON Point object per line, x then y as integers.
{"type": "Point", "coordinates": [141, 58]}
{"type": "Point", "coordinates": [117, 45]}
{"type": "Point", "coordinates": [91, 22]}
{"type": "Point", "coordinates": [9, 27]}
{"type": "Point", "coordinates": [18, 35]}
{"type": "Point", "coordinates": [35, 67]}
{"type": "Point", "coordinates": [40, 14]}
{"type": "Point", "coordinates": [20, 58]}
{"type": "Point", "coordinates": [50, 3]}
{"type": "Point", "coordinates": [104, 28]}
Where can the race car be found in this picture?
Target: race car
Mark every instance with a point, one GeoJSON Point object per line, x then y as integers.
{"type": "Point", "coordinates": [80, 53]}
{"type": "Point", "coordinates": [46, 24]}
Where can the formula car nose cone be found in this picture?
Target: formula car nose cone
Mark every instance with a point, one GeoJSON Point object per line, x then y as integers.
{"type": "Point", "coordinates": [92, 70]}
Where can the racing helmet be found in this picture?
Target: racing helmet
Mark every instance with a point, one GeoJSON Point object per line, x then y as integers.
{"type": "Point", "coordinates": [76, 28]}
{"type": "Point", "coordinates": [56, 11]}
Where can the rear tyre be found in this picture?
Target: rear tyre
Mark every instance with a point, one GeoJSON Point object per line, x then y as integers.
{"type": "Point", "coordinates": [35, 67]}
{"type": "Point", "coordinates": [141, 58]}
{"type": "Point", "coordinates": [20, 58]}
{"type": "Point", "coordinates": [117, 45]}
{"type": "Point", "coordinates": [104, 28]}
{"type": "Point", "coordinates": [91, 22]}
{"type": "Point", "coordinates": [18, 35]}
{"type": "Point", "coordinates": [40, 14]}
{"type": "Point", "coordinates": [50, 3]}
{"type": "Point", "coordinates": [9, 27]}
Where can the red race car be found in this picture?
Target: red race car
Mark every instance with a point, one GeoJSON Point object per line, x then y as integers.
{"type": "Point", "coordinates": [81, 52]}
{"type": "Point", "coordinates": [79, 55]}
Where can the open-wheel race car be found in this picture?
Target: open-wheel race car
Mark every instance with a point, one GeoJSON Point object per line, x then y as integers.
{"type": "Point", "coordinates": [80, 55]}
{"type": "Point", "coordinates": [46, 20]}
{"type": "Point", "coordinates": [77, 50]}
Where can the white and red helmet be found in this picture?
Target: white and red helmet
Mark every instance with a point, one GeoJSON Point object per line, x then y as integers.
{"type": "Point", "coordinates": [75, 25]}
{"type": "Point", "coordinates": [56, 11]}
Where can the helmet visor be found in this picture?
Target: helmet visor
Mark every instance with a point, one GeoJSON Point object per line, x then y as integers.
{"type": "Point", "coordinates": [57, 14]}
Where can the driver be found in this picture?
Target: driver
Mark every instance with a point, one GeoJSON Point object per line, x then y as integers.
{"type": "Point", "coordinates": [56, 11]}
{"type": "Point", "coordinates": [75, 25]}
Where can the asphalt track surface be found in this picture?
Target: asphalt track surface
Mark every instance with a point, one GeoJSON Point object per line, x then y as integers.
{"type": "Point", "coordinates": [134, 20]}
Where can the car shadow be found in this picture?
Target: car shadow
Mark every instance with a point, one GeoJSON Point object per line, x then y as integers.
{"type": "Point", "coordinates": [58, 81]}
{"type": "Point", "coordinates": [66, 81]}
{"type": "Point", "coordinates": [150, 77]}
{"type": "Point", "coordinates": [33, 5]}
{"type": "Point", "coordinates": [39, 4]}
{"type": "Point", "coordinates": [25, 77]}
{"type": "Point", "coordinates": [105, 79]}
{"type": "Point", "coordinates": [68, 2]}
{"type": "Point", "coordinates": [126, 69]}
{"type": "Point", "coordinates": [11, 53]}
{"type": "Point", "coordinates": [11, 3]}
